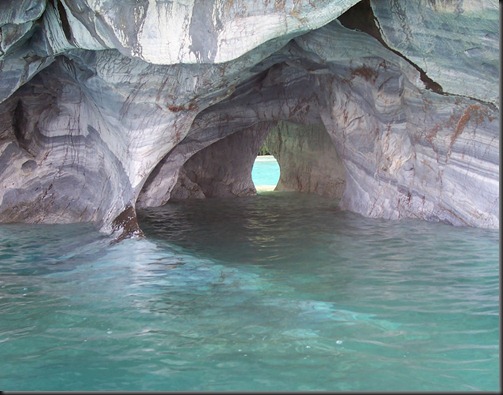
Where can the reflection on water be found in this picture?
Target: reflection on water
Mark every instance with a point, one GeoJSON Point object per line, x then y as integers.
{"type": "Point", "coordinates": [276, 292]}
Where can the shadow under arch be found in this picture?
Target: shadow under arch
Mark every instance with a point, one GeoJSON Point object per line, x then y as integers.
{"type": "Point", "coordinates": [308, 159]}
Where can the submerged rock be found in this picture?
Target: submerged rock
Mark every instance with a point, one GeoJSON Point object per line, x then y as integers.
{"type": "Point", "coordinates": [391, 107]}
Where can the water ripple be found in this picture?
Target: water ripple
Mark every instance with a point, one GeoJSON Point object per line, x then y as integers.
{"type": "Point", "coordinates": [278, 292]}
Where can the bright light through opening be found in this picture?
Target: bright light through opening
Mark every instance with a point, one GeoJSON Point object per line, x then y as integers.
{"type": "Point", "coordinates": [265, 173]}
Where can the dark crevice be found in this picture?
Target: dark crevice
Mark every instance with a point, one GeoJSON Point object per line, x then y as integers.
{"type": "Point", "coordinates": [18, 125]}
{"type": "Point", "coordinates": [486, 103]}
{"type": "Point", "coordinates": [361, 17]}
{"type": "Point", "coordinates": [64, 21]}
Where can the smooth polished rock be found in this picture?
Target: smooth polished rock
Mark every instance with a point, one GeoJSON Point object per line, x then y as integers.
{"type": "Point", "coordinates": [408, 151]}
{"type": "Point", "coordinates": [192, 31]}
{"type": "Point", "coordinates": [104, 109]}
{"type": "Point", "coordinates": [456, 43]}
{"type": "Point", "coordinates": [100, 112]}
{"type": "Point", "coordinates": [255, 106]}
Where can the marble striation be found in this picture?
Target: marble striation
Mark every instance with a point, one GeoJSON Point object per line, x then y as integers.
{"type": "Point", "coordinates": [104, 109]}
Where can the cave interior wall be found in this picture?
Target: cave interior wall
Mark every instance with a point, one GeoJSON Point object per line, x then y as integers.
{"type": "Point", "coordinates": [90, 132]}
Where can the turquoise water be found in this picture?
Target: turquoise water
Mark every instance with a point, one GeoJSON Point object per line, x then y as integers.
{"type": "Point", "coordinates": [275, 292]}
{"type": "Point", "coordinates": [265, 171]}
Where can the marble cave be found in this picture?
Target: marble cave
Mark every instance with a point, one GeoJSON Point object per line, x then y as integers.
{"type": "Point", "coordinates": [389, 106]}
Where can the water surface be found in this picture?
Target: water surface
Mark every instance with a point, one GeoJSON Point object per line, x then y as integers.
{"type": "Point", "coordinates": [277, 292]}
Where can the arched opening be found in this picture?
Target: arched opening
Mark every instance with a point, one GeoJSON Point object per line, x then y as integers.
{"type": "Point", "coordinates": [299, 158]}
{"type": "Point", "coordinates": [265, 171]}
{"type": "Point", "coordinates": [284, 156]}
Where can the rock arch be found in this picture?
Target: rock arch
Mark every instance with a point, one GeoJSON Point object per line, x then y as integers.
{"type": "Point", "coordinates": [95, 122]}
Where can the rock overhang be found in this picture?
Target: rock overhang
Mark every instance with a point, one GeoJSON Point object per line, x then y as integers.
{"type": "Point", "coordinates": [107, 122]}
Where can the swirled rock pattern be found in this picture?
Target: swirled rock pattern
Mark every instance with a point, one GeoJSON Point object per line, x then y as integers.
{"type": "Point", "coordinates": [390, 106]}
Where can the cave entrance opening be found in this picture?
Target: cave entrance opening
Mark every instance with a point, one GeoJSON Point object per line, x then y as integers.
{"type": "Point", "coordinates": [265, 171]}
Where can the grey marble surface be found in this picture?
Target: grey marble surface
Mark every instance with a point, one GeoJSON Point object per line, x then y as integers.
{"type": "Point", "coordinates": [106, 108]}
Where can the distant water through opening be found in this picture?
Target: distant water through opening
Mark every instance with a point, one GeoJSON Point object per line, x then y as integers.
{"type": "Point", "coordinates": [265, 173]}
{"type": "Point", "coordinates": [274, 292]}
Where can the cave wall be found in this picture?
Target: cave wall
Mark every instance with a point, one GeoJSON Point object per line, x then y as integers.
{"type": "Point", "coordinates": [104, 109]}
{"type": "Point", "coordinates": [408, 152]}
{"type": "Point", "coordinates": [465, 62]}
